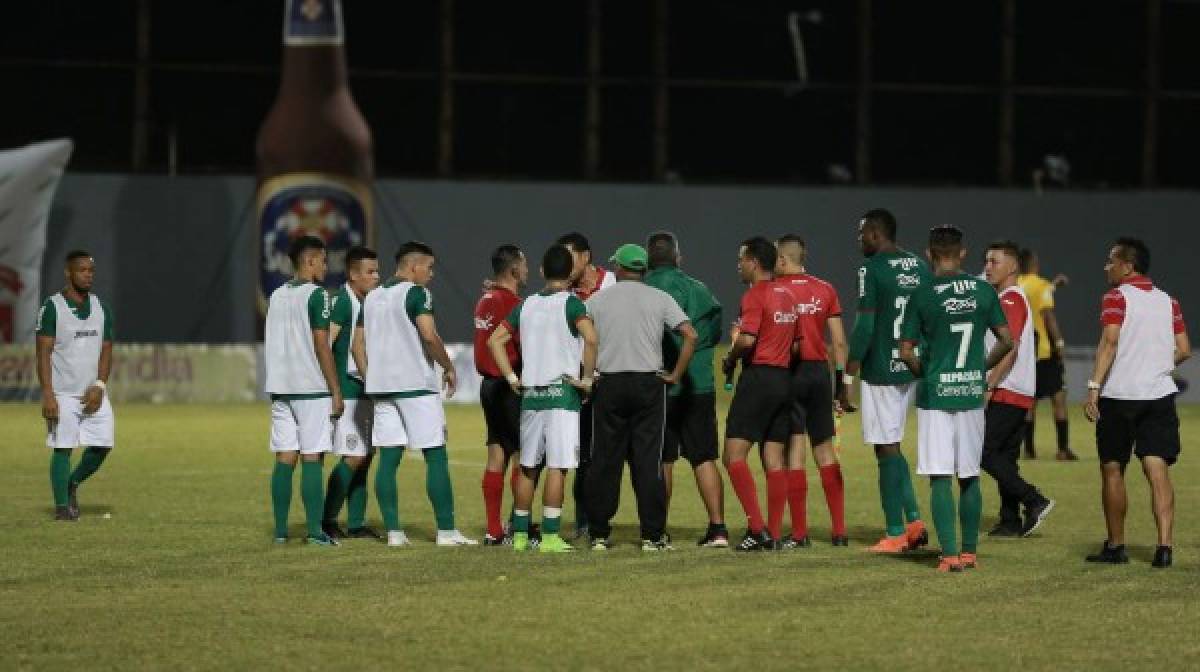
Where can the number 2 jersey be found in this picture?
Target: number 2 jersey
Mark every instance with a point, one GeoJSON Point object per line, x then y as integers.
{"type": "Point", "coordinates": [886, 281]}
{"type": "Point", "coordinates": [950, 317]}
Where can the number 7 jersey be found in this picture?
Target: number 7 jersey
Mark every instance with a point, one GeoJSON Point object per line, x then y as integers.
{"type": "Point", "coordinates": [951, 317]}
{"type": "Point", "coordinates": [886, 281]}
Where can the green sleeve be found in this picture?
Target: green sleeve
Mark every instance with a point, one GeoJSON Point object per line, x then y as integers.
{"type": "Point", "coordinates": [47, 319]}
{"type": "Point", "coordinates": [868, 289]}
{"type": "Point", "coordinates": [318, 309]}
{"type": "Point", "coordinates": [576, 311]}
{"type": "Point", "coordinates": [864, 319]}
{"type": "Point", "coordinates": [514, 317]}
{"type": "Point", "coordinates": [910, 329]}
{"type": "Point", "coordinates": [418, 302]}
{"type": "Point", "coordinates": [108, 321]}
{"type": "Point", "coordinates": [996, 316]}
{"type": "Point", "coordinates": [340, 311]}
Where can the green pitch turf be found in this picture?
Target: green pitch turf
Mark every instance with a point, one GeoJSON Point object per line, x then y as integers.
{"type": "Point", "coordinates": [184, 575]}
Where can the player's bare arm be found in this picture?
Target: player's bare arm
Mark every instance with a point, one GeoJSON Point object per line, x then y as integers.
{"type": "Point", "coordinates": [841, 355]}
{"type": "Point", "coordinates": [1002, 348]}
{"type": "Point", "coordinates": [1106, 353]}
{"type": "Point", "coordinates": [94, 395]}
{"type": "Point", "coordinates": [1183, 348]}
{"type": "Point", "coordinates": [436, 348]}
{"type": "Point", "coordinates": [497, 344]}
{"type": "Point", "coordinates": [358, 350]}
{"type": "Point", "coordinates": [328, 369]}
{"type": "Point", "coordinates": [998, 373]}
{"type": "Point", "coordinates": [908, 355]}
{"type": "Point", "coordinates": [1057, 343]}
{"type": "Point", "coordinates": [591, 343]}
{"type": "Point", "coordinates": [45, 345]}
{"type": "Point", "coordinates": [743, 344]}
{"type": "Point", "coordinates": [686, 350]}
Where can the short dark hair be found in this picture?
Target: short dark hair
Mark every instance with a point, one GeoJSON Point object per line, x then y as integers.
{"type": "Point", "coordinates": [882, 221]}
{"type": "Point", "coordinates": [793, 239]}
{"type": "Point", "coordinates": [413, 247]}
{"type": "Point", "coordinates": [557, 263]}
{"type": "Point", "coordinates": [945, 241]}
{"type": "Point", "coordinates": [761, 250]}
{"type": "Point", "coordinates": [575, 240]}
{"type": "Point", "coordinates": [662, 248]}
{"type": "Point", "coordinates": [1134, 251]}
{"type": "Point", "coordinates": [1025, 259]}
{"type": "Point", "coordinates": [359, 253]}
{"type": "Point", "coordinates": [304, 244]}
{"type": "Point", "coordinates": [1006, 246]}
{"type": "Point", "coordinates": [77, 254]}
{"type": "Point", "coordinates": [505, 257]}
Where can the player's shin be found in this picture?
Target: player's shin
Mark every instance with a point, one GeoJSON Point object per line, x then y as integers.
{"type": "Point", "coordinates": [335, 490]}
{"type": "Point", "coordinates": [93, 457]}
{"type": "Point", "coordinates": [945, 522]}
{"type": "Point", "coordinates": [438, 486]}
{"type": "Point", "coordinates": [356, 496]}
{"type": "Point", "coordinates": [281, 496]}
{"type": "Point", "coordinates": [891, 492]}
{"type": "Point", "coordinates": [385, 486]}
{"type": "Point", "coordinates": [311, 491]}
{"type": "Point", "coordinates": [970, 510]}
{"type": "Point", "coordinates": [912, 510]}
{"type": "Point", "coordinates": [60, 475]}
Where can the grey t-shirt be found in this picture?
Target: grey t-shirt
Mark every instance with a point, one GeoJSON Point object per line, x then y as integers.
{"type": "Point", "coordinates": [630, 317]}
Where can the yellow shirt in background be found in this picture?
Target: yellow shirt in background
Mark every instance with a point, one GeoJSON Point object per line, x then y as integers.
{"type": "Point", "coordinates": [1041, 296]}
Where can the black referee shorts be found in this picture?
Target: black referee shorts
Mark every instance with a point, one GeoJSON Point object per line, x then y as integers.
{"type": "Point", "coordinates": [812, 401]}
{"type": "Point", "coordinates": [691, 428]}
{"type": "Point", "coordinates": [1142, 428]}
{"type": "Point", "coordinates": [501, 413]}
{"type": "Point", "coordinates": [761, 408]}
{"type": "Point", "coordinates": [1049, 377]}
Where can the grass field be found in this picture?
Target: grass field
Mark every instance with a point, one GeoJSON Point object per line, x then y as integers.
{"type": "Point", "coordinates": [184, 575]}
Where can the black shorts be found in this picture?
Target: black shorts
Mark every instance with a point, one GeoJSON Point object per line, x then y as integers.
{"type": "Point", "coordinates": [761, 406]}
{"type": "Point", "coordinates": [501, 412]}
{"type": "Point", "coordinates": [1143, 428]}
{"type": "Point", "coordinates": [812, 401]}
{"type": "Point", "coordinates": [691, 428]}
{"type": "Point", "coordinates": [1049, 377]}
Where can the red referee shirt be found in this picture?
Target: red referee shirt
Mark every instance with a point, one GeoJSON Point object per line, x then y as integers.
{"type": "Point", "coordinates": [492, 309]}
{"type": "Point", "coordinates": [769, 314]}
{"type": "Point", "coordinates": [816, 302]}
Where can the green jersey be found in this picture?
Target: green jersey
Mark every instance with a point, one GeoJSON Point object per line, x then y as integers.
{"type": "Point", "coordinates": [704, 312]}
{"type": "Point", "coordinates": [885, 283]}
{"type": "Point", "coordinates": [951, 317]}
{"type": "Point", "coordinates": [344, 310]}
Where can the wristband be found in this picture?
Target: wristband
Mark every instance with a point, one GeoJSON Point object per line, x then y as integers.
{"type": "Point", "coordinates": [100, 384]}
{"type": "Point", "coordinates": [847, 379]}
{"type": "Point", "coordinates": [1093, 385]}
{"type": "Point", "coordinates": [1060, 344]}
{"type": "Point", "coordinates": [512, 378]}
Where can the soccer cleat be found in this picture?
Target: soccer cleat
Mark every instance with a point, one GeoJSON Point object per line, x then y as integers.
{"type": "Point", "coordinates": [792, 543]}
{"type": "Point", "coordinates": [552, 543]}
{"type": "Point", "coordinates": [321, 540]}
{"type": "Point", "coordinates": [535, 536]}
{"type": "Point", "coordinates": [1066, 456]}
{"type": "Point", "coordinates": [714, 539]}
{"type": "Point", "coordinates": [397, 538]}
{"type": "Point", "coordinates": [891, 545]}
{"type": "Point", "coordinates": [489, 540]}
{"type": "Point", "coordinates": [662, 544]}
{"type": "Point", "coordinates": [601, 544]}
{"type": "Point", "coordinates": [520, 541]}
{"type": "Point", "coordinates": [1162, 557]}
{"type": "Point", "coordinates": [65, 514]}
{"type": "Point", "coordinates": [331, 529]}
{"type": "Point", "coordinates": [363, 532]}
{"type": "Point", "coordinates": [580, 532]}
{"type": "Point", "coordinates": [951, 564]}
{"type": "Point", "coordinates": [454, 538]}
{"type": "Point", "coordinates": [917, 535]}
{"type": "Point", "coordinates": [281, 540]}
{"type": "Point", "coordinates": [755, 542]}
{"type": "Point", "coordinates": [73, 499]}
{"type": "Point", "coordinates": [1034, 515]}
{"type": "Point", "coordinates": [1005, 530]}
{"type": "Point", "coordinates": [968, 560]}
{"type": "Point", "coordinates": [841, 540]}
{"type": "Point", "coordinates": [1109, 554]}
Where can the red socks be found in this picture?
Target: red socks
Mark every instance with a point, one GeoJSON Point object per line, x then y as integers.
{"type": "Point", "coordinates": [797, 495]}
{"type": "Point", "coordinates": [747, 493]}
{"type": "Point", "coordinates": [777, 498]}
{"type": "Point", "coordinates": [835, 497]}
{"type": "Point", "coordinates": [493, 497]}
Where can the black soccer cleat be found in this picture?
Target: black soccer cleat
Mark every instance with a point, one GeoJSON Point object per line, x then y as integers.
{"type": "Point", "coordinates": [792, 543]}
{"type": "Point", "coordinates": [1162, 557]}
{"type": "Point", "coordinates": [364, 532]}
{"type": "Point", "coordinates": [1006, 530]}
{"type": "Point", "coordinates": [65, 514]}
{"type": "Point", "coordinates": [1109, 554]}
{"type": "Point", "coordinates": [331, 529]}
{"type": "Point", "coordinates": [502, 540]}
{"type": "Point", "coordinates": [841, 540]}
{"type": "Point", "coordinates": [1035, 515]}
{"type": "Point", "coordinates": [755, 542]}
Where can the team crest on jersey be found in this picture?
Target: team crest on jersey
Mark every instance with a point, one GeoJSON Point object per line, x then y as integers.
{"type": "Point", "coordinates": [351, 442]}
{"type": "Point", "coordinates": [484, 323]}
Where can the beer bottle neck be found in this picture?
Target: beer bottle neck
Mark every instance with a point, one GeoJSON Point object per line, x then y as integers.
{"type": "Point", "coordinates": [313, 71]}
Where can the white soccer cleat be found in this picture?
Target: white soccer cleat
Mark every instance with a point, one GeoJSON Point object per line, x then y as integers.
{"type": "Point", "coordinates": [454, 538]}
{"type": "Point", "coordinates": [398, 538]}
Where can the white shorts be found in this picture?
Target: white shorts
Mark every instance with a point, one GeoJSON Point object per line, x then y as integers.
{"type": "Point", "coordinates": [552, 434]}
{"type": "Point", "coordinates": [949, 443]}
{"type": "Point", "coordinates": [73, 428]}
{"type": "Point", "coordinates": [352, 431]}
{"type": "Point", "coordinates": [302, 425]}
{"type": "Point", "coordinates": [885, 412]}
{"type": "Point", "coordinates": [415, 422]}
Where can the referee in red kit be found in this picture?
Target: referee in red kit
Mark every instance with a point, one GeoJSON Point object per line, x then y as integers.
{"type": "Point", "coordinates": [1131, 394]}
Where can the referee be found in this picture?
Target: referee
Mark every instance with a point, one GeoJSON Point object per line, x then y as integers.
{"type": "Point", "coordinates": [1131, 395]}
{"type": "Point", "coordinates": [629, 413]}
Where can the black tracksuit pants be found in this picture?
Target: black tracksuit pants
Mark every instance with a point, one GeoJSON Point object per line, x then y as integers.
{"type": "Point", "coordinates": [1005, 429]}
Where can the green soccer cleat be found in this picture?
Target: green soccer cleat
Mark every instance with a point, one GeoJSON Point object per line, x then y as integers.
{"type": "Point", "coordinates": [520, 541]}
{"type": "Point", "coordinates": [321, 540]}
{"type": "Point", "coordinates": [552, 543]}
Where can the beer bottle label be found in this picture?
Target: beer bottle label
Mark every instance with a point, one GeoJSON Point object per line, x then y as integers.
{"type": "Point", "coordinates": [333, 208]}
{"type": "Point", "coordinates": [312, 23]}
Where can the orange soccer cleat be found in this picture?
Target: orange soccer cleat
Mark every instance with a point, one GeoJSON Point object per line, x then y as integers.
{"type": "Point", "coordinates": [950, 563]}
{"type": "Point", "coordinates": [891, 545]}
{"type": "Point", "coordinates": [917, 535]}
{"type": "Point", "coordinates": [968, 560]}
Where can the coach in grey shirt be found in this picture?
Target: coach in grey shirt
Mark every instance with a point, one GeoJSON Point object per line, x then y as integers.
{"type": "Point", "coordinates": [629, 411]}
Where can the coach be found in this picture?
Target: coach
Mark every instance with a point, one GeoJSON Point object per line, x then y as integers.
{"type": "Point", "coordinates": [629, 414]}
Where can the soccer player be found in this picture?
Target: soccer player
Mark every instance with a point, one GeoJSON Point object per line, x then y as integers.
{"type": "Point", "coordinates": [501, 406]}
{"type": "Point", "coordinates": [1131, 394]}
{"type": "Point", "coordinates": [885, 283]}
{"type": "Point", "coordinates": [761, 408]}
{"type": "Point", "coordinates": [401, 345]}
{"type": "Point", "coordinates": [1010, 389]}
{"type": "Point", "coordinates": [74, 358]}
{"type": "Point", "coordinates": [950, 316]}
{"type": "Point", "coordinates": [692, 403]}
{"type": "Point", "coordinates": [1050, 346]}
{"type": "Point", "coordinates": [352, 431]}
{"type": "Point", "coordinates": [817, 310]}
{"type": "Point", "coordinates": [303, 383]}
{"type": "Point", "coordinates": [558, 356]}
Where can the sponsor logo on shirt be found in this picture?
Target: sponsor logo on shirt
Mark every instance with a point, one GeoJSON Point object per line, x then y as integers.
{"type": "Point", "coordinates": [811, 308]}
{"type": "Point", "coordinates": [961, 377]}
{"type": "Point", "coordinates": [956, 306]}
{"type": "Point", "coordinates": [484, 323]}
{"type": "Point", "coordinates": [782, 317]}
{"type": "Point", "coordinates": [87, 333]}
{"type": "Point", "coordinates": [906, 281]}
{"type": "Point", "coordinates": [905, 263]}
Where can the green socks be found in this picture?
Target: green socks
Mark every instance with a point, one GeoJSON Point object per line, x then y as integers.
{"type": "Point", "coordinates": [281, 496]}
{"type": "Point", "coordinates": [891, 471]}
{"type": "Point", "coordinates": [970, 509]}
{"type": "Point", "coordinates": [385, 486]}
{"type": "Point", "coordinates": [60, 475]}
{"type": "Point", "coordinates": [310, 492]}
{"type": "Point", "coordinates": [357, 498]}
{"type": "Point", "coordinates": [911, 510]}
{"type": "Point", "coordinates": [944, 519]}
{"type": "Point", "coordinates": [93, 457]}
{"type": "Point", "coordinates": [437, 486]}
{"type": "Point", "coordinates": [335, 494]}
{"type": "Point", "coordinates": [551, 520]}
{"type": "Point", "coordinates": [520, 521]}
